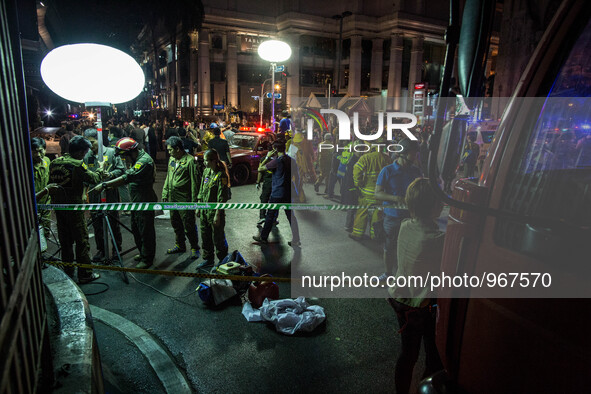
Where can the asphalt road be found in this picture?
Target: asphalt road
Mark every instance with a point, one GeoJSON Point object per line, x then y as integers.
{"type": "Point", "coordinates": [218, 350]}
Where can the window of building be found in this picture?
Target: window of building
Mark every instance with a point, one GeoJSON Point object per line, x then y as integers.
{"type": "Point", "coordinates": [217, 41]}
{"type": "Point", "coordinates": [406, 48]}
{"type": "Point", "coordinates": [433, 60]}
{"type": "Point", "coordinates": [345, 77]}
{"type": "Point", "coordinates": [312, 77]}
{"type": "Point", "coordinates": [386, 48]}
{"type": "Point", "coordinates": [317, 46]}
{"type": "Point", "coordinates": [253, 74]}
{"type": "Point", "coordinates": [366, 50]}
{"type": "Point", "coordinates": [346, 48]}
{"type": "Point", "coordinates": [218, 72]}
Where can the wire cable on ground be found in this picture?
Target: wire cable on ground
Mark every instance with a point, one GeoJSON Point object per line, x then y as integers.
{"type": "Point", "coordinates": [107, 287]}
{"type": "Point", "coordinates": [161, 292]}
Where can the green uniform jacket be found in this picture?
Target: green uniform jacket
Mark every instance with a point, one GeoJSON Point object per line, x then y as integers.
{"type": "Point", "coordinates": [267, 176]}
{"type": "Point", "coordinates": [114, 167]}
{"type": "Point", "coordinates": [214, 187]}
{"type": "Point", "coordinates": [141, 177]}
{"type": "Point", "coordinates": [70, 174]}
{"type": "Point", "coordinates": [325, 158]}
{"type": "Point", "coordinates": [182, 180]}
{"type": "Point", "coordinates": [41, 175]}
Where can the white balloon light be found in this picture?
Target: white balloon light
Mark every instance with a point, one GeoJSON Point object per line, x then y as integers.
{"type": "Point", "coordinates": [92, 73]}
{"type": "Point", "coordinates": [274, 51]}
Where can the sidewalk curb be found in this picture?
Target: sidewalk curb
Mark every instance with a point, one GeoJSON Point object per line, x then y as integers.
{"type": "Point", "coordinates": [75, 355]}
{"type": "Point", "coordinates": [164, 367]}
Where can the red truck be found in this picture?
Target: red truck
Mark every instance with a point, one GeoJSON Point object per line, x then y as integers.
{"type": "Point", "coordinates": [528, 212]}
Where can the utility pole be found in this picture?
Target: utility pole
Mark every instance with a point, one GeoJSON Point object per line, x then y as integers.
{"type": "Point", "coordinates": [339, 47]}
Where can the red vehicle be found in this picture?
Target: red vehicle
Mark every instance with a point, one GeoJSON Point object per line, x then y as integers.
{"type": "Point", "coordinates": [254, 129]}
{"type": "Point", "coordinates": [529, 212]}
{"type": "Point", "coordinates": [246, 150]}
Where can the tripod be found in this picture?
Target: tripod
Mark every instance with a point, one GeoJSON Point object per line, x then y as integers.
{"type": "Point", "coordinates": [108, 234]}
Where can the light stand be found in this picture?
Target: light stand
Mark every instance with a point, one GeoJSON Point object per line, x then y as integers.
{"type": "Point", "coordinates": [273, 96]}
{"type": "Point", "coordinates": [274, 51]}
{"type": "Point", "coordinates": [115, 78]}
{"type": "Point", "coordinates": [107, 229]}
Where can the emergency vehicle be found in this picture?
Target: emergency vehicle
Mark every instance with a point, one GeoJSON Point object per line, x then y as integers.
{"type": "Point", "coordinates": [528, 212]}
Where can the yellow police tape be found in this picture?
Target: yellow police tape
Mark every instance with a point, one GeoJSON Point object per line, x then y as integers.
{"type": "Point", "coordinates": [170, 273]}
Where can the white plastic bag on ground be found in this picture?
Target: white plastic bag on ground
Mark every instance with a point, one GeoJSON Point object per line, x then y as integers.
{"type": "Point", "coordinates": [250, 313]}
{"type": "Point", "coordinates": [290, 316]}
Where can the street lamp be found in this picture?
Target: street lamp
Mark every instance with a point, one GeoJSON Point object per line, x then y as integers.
{"type": "Point", "coordinates": [339, 47]}
{"type": "Point", "coordinates": [274, 51]}
{"type": "Point", "coordinates": [96, 75]}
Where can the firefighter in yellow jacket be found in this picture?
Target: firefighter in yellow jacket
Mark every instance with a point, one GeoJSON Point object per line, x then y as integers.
{"type": "Point", "coordinates": [365, 176]}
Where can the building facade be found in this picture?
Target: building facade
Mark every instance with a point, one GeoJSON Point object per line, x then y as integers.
{"type": "Point", "coordinates": [386, 48]}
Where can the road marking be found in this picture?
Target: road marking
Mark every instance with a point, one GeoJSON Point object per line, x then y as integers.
{"type": "Point", "coordinates": [172, 379]}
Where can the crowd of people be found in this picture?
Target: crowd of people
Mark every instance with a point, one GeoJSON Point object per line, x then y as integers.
{"type": "Point", "coordinates": [149, 134]}
{"type": "Point", "coordinates": [370, 179]}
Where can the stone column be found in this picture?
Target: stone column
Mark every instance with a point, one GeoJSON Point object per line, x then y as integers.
{"type": "Point", "coordinates": [395, 72]}
{"type": "Point", "coordinates": [416, 63]}
{"type": "Point", "coordinates": [377, 56]}
{"type": "Point", "coordinates": [167, 88]}
{"type": "Point", "coordinates": [293, 69]}
{"type": "Point", "coordinates": [204, 76]}
{"type": "Point", "coordinates": [170, 71]}
{"type": "Point", "coordinates": [354, 88]}
{"type": "Point", "coordinates": [193, 69]}
{"type": "Point", "coordinates": [177, 76]}
{"type": "Point", "coordinates": [232, 70]}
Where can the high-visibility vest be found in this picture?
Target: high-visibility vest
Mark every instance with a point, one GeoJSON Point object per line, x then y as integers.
{"type": "Point", "coordinates": [344, 158]}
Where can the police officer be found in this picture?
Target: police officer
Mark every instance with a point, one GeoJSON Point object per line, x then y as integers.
{"type": "Point", "coordinates": [113, 168]}
{"type": "Point", "coordinates": [182, 185]}
{"type": "Point", "coordinates": [140, 178]}
{"type": "Point", "coordinates": [70, 173]}
{"type": "Point", "coordinates": [215, 187]}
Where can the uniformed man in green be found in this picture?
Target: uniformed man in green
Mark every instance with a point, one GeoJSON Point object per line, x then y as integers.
{"type": "Point", "coordinates": [215, 187]}
{"type": "Point", "coordinates": [70, 173]}
{"type": "Point", "coordinates": [140, 177]}
{"type": "Point", "coordinates": [182, 185]}
{"type": "Point", "coordinates": [113, 168]}
{"type": "Point", "coordinates": [266, 179]}
{"type": "Point", "coordinates": [41, 177]}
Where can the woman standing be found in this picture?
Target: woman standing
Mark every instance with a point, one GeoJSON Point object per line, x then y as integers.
{"type": "Point", "coordinates": [215, 187]}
